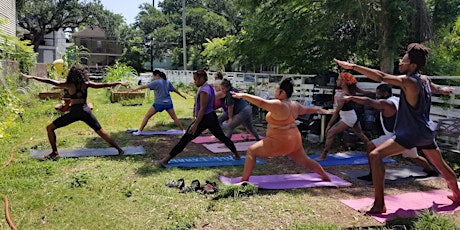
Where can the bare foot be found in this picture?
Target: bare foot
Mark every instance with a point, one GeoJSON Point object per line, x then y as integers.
{"type": "Point", "coordinates": [373, 210]}
{"type": "Point", "coordinates": [53, 156]}
{"type": "Point", "coordinates": [237, 156]}
{"type": "Point", "coordinates": [325, 178]}
{"type": "Point", "coordinates": [454, 198]}
{"type": "Point", "coordinates": [320, 158]}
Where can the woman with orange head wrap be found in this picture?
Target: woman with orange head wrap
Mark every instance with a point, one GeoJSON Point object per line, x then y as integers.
{"type": "Point", "coordinates": [346, 110]}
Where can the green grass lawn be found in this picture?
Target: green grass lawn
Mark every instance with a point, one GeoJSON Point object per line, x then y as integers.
{"type": "Point", "coordinates": [128, 193]}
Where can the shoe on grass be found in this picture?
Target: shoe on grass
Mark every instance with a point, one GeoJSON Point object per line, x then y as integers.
{"type": "Point", "coordinates": [136, 133]}
{"type": "Point", "coordinates": [175, 183]}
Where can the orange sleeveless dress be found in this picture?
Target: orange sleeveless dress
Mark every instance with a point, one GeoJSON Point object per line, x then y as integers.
{"type": "Point", "coordinates": [283, 137]}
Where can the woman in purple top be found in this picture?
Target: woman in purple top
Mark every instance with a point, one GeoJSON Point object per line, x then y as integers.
{"type": "Point", "coordinates": [161, 87]}
{"type": "Point", "coordinates": [205, 118]}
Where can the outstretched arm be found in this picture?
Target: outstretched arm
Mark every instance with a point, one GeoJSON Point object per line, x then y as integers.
{"type": "Point", "coordinates": [59, 84]}
{"type": "Point", "coordinates": [365, 92]}
{"type": "Point", "coordinates": [438, 89]}
{"type": "Point", "coordinates": [373, 74]}
{"type": "Point", "coordinates": [139, 88]}
{"type": "Point", "coordinates": [105, 85]}
{"type": "Point", "coordinates": [179, 93]}
{"type": "Point", "coordinates": [309, 110]}
{"type": "Point", "coordinates": [388, 108]}
{"type": "Point", "coordinates": [407, 84]}
{"type": "Point", "coordinates": [269, 105]}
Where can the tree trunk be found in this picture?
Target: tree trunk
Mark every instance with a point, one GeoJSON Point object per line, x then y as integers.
{"type": "Point", "coordinates": [36, 40]}
{"type": "Point", "coordinates": [386, 50]}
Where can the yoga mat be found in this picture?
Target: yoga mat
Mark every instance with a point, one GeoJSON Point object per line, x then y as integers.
{"type": "Point", "coordinates": [346, 159]}
{"type": "Point", "coordinates": [235, 137]}
{"type": "Point", "coordinates": [193, 162]}
{"type": "Point", "coordinates": [89, 152]}
{"type": "Point", "coordinates": [167, 132]}
{"type": "Point", "coordinates": [221, 148]}
{"type": "Point", "coordinates": [289, 181]}
{"type": "Point", "coordinates": [394, 175]}
{"type": "Point", "coordinates": [407, 205]}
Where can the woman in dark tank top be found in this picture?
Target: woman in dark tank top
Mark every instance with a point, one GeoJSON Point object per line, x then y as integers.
{"type": "Point", "coordinates": [346, 111]}
{"type": "Point", "coordinates": [76, 83]}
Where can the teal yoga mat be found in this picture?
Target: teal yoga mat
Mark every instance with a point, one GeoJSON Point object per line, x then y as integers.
{"type": "Point", "coordinates": [208, 161]}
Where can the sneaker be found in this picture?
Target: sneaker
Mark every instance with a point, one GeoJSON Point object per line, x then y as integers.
{"type": "Point", "coordinates": [175, 183]}
{"type": "Point", "coordinates": [136, 133]}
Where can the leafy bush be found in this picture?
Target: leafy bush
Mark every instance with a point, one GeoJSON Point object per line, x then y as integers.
{"type": "Point", "coordinates": [120, 72]}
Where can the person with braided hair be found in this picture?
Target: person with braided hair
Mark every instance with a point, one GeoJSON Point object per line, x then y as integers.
{"type": "Point", "coordinates": [413, 126]}
{"type": "Point", "coordinates": [77, 84]}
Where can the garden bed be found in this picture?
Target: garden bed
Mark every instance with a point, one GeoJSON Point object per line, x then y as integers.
{"type": "Point", "coordinates": [51, 95]}
{"type": "Point", "coordinates": [119, 95]}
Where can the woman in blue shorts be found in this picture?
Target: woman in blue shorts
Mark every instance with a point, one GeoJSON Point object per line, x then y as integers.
{"type": "Point", "coordinates": [161, 88]}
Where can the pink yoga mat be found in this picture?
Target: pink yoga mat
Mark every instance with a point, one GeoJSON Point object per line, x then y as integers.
{"type": "Point", "coordinates": [407, 205]}
{"type": "Point", "coordinates": [235, 137]}
{"type": "Point", "coordinates": [221, 148]}
{"type": "Point", "coordinates": [289, 181]}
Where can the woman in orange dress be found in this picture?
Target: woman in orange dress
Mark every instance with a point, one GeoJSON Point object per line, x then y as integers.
{"type": "Point", "coordinates": [283, 137]}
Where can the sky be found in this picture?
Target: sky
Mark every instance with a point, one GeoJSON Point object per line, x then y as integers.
{"type": "Point", "coordinates": [128, 8]}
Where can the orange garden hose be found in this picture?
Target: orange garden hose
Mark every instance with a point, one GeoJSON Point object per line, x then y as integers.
{"type": "Point", "coordinates": [7, 214]}
{"type": "Point", "coordinates": [5, 199]}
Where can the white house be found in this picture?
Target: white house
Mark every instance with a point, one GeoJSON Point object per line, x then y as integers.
{"type": "Point", "coordinates": [8, 12]}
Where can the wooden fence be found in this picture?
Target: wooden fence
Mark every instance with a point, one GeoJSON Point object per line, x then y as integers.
{"type": "Point", "coordinates": [307, 86]}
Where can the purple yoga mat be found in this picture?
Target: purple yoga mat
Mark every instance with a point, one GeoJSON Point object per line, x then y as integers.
{"type": "Point", "coordinates": [167, 132]}
{"type": "Point", "coordinates": [235, 137]}
{"type": "Point", "coordinates": [407, 205]}
{"type": "Point", "coordinates": [221, 148]}
{"type": "Point", "coordinates": [290, 181]}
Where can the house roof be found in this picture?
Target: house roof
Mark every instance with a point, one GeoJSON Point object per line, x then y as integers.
{"type": "Point", "coordinates": [95, 32]}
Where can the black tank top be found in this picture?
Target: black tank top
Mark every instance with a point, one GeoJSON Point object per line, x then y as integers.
{"type": "Point", "coordinates": [79, 93]}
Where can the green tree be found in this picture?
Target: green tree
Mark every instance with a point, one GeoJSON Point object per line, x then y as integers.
{"type": "Point", "coordinates": [175, 6]}
{"type": "Point", "coordinates": [444, 58]}
{"type": "Point", "coordinates": [41, 17]}
{"type": "Point", "coordinates": [218, 52]}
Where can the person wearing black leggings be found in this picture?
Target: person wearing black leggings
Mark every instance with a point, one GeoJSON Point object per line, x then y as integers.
{"type": "Point", "coordinates": [205, 118]}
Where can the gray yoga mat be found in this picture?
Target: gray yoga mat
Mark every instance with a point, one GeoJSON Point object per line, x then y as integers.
{"type": "Point", "coordinates": [394, 175]}
{"type": "Point", "coordinates": [89, 152]}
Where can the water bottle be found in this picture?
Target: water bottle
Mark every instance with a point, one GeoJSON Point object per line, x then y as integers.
{"type": "Point", "coordinates": [338, 94]}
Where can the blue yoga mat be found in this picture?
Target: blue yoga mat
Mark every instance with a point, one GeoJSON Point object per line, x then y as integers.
{"type": "Point", "coordinates": [193, 162]}
{"type": "Point", "coordinates": [346, 159]}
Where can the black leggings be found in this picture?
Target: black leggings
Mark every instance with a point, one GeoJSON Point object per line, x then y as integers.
{"type": "Point", "coordinates": [210, 122]}
{"type": "Point", "coordinates": [78, 112]}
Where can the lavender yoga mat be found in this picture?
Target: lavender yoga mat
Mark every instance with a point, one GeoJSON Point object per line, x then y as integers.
{"type": "Point", "coordinates": [167, 132]}
{"type": "Point", "coordinates": [407, 205]}
{"type": "Point", "coordinates": [289, 181]}
{"type": "Point", "coordinates": [221, 148]}
{"type": "Point", "coordinates": [235, 137]}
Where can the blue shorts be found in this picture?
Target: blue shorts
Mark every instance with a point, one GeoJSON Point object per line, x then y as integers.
{"type": "Point", "coordinates": [161, 107]}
